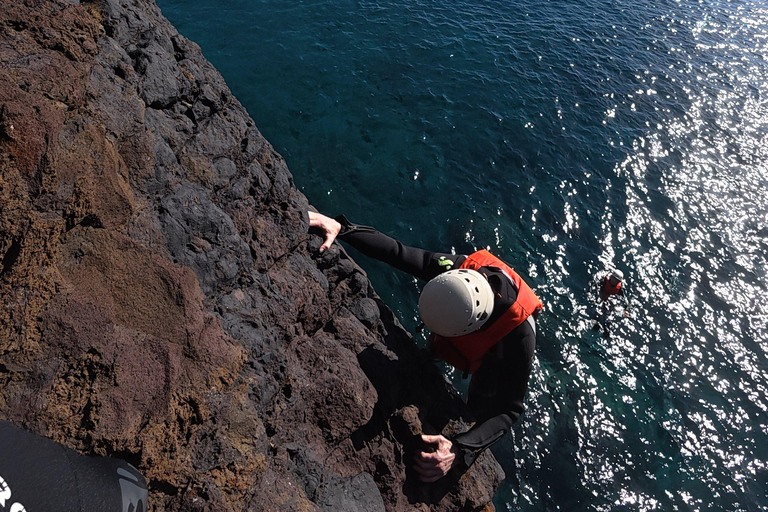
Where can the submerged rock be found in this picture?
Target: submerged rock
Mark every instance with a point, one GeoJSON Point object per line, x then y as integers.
{"type": "Point", "coordinates": [162, 301]}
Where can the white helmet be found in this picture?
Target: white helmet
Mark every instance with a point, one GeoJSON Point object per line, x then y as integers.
{"type": "Point", "coordinates": [618, 273]}
{"type": "Point", "coordinates": [456, 302]}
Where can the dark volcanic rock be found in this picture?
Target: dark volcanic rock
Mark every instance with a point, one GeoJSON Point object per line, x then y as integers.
{"type": "Point", "coordinates": [162, 301]}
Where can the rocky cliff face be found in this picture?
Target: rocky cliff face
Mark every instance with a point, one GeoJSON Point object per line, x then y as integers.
{"type": "Point", "coordinates": [162, 301]}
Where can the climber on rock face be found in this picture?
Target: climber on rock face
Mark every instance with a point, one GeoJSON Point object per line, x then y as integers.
{"type": "Point", "coordinates": [481, 315]}
{"type": "Point", "coordinates": [39, 474]}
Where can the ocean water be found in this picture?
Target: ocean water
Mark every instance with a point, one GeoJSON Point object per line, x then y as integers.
{"type": "Point", "coordinates": [565, 136]}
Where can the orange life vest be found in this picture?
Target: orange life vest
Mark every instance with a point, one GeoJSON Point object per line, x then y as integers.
{"type": "Point", "coordinates": [466, 352]}
{"type": "Point", "coordinates": [608, 289]}
{"type": "Point", "coordinates": [613, 290]}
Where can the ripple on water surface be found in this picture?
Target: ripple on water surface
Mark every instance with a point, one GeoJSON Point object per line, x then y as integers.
{"type": "Point", "coordinates": [683, 422]}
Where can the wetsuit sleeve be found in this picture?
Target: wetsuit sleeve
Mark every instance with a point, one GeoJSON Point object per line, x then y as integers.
{"type": "Point", "coordinates": [416, 262]}
{"type": "Point", "coordinates": [39, 474]}
{"type": "Point", "coordinates": [497, 392]}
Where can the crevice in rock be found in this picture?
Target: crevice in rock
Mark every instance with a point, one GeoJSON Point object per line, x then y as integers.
{"type": "Point", "coordinates": [87, 423]}
{"type": "Point", "coordinates": [91, 221]}
{"type": "Point", "coordinates": [119, 72]}
{"type": "Point", "coordinates": [304, 239]}
{"type": "Point", "coordinates": [17, 25]}
{"type": "Point", "coordinates": [164, 487]}
{"type": "Point", "coordinates": [10, 257]}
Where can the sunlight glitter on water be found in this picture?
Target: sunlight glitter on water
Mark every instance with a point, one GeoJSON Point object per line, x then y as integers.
{"type": "Point", "coordinates": [700, 270]}
{"type": "Point", "coordinates": [697, 339]}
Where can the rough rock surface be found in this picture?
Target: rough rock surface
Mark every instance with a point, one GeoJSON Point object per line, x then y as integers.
{"type": "Point", "coordinates": [162, 300]}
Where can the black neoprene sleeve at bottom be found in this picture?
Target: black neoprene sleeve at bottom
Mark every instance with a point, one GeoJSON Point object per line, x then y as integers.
{"type": "Point", "coordinates": [497, 391]}
{"type": "Point", "coordinates": [37, 474]}
{"type": "Point", "coordinates": [498, 388]}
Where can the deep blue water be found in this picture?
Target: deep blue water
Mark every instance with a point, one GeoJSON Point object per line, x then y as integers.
{"type": "Point", "coordinates": [565, 136]}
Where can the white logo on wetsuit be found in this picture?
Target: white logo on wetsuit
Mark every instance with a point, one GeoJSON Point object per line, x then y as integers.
{"type": "Point", "coordinates": [5, 495]}
{"type": "Point", "coordinates": [134, 495]}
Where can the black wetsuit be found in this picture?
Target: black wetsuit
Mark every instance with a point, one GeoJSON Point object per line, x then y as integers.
{"type": "Point", "coordinates": [497, 390]}
{"type": "Point", "coordinates": [39, 475]}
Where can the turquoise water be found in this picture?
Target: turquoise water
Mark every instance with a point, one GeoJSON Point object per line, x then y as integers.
{"type": "Point", "coordinates": [565, 136]}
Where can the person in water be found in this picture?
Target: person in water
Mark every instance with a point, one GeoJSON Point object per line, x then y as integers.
{"type": "Point", "coordinates": [610, 288]}
{"type": "Point", "coordinates": [612, 284]}
{"type": "Point", "coordinates": [37, 474]}
{"type": "Point", "coordinates": [482, 318]}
